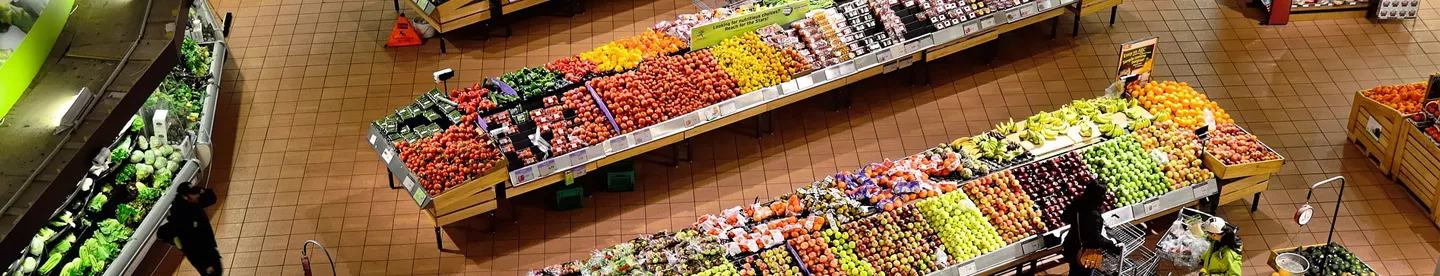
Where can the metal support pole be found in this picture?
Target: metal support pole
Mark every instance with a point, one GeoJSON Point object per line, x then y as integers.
{"type": "Point", "coordinates": [392, 179]}
{"type": "Point", "coordinates": [1113, 11]}
{"type": "Point", "coordinates": [1255, 203]}
{"type": "Point", "coordinates": [1075, 31]}
{"type": "Point", "coordinates": [438, 242]}
{"type": "Point", "coordinates": [1341, 198]}
{"type": "Point", "coordinates": [1054, 28]}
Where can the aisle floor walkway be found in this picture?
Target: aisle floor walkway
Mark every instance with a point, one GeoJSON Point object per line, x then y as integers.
{"type": "Point", "coordinates": [306, 76]}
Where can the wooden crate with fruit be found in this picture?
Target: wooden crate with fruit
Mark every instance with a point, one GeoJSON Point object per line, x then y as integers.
{"type": "Point", "coordinates": [477, 196]}
{"type": "Point", "coordinates": [1232, 152]}
{"type": "Point", "coordinates": [1376, 125]}
{"type": "Point", "coordinates": [1344, 263]}
{"type": "Point", "coordinates": [1417, 164]}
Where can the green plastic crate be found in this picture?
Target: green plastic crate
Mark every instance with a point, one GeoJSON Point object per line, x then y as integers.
{"type": "Point", "coordinates": [570, 198]}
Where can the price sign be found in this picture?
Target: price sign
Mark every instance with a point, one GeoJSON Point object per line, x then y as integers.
{"type": "Point", "coordinates": [865, 61]}
{"type": "Point", "coordinates": [388, 154]}
{"type": "Point", "coordinates": [1118, 216]}
{"type": "Point", "coordinates": [619, 143]}
{"type": "Point", "coordinates": [1033, 245]}
{"type": "Point", "coordinates": [1046, 5]}
{"type": "Point", "coordinates": [642, 136]}
{"type": "Point", "coordinates": [966, 269]}
{"type": "Point", "coordinates": [770, 92]}
{"type": "Point", "coordinates": [898, 52]}
{"type": "Point", "coordinates": [408, 182]}
{"type": "Point", "coordinates": [803, 83]}
{"type": "Point", "coordinates": [574, 173]}
{"type": "Point", "coordinates": [941, 258]}
{"type": "Point", "coordinates": [727, 108]}
{"type": "Point", "coordinates": [710, 113]}
{"type": "Point", "coordinates": [546, 167]}
{"type": "Point", "coordinates": [970, 28]}
{"type": "Point", "coordinates": [419, 197]}
{"type": "Point", "coordinates": [883, 55]}
{"type": "Point", "coordinates": [819, 76]}
{"type": "Point", "coordinates": [789, 87]}
{"type": "Point", "coordinates": [579, 156]}
{"type": "Point", "coordinates": [988, 22]}
{"type": "Point", "coordinates": [691, 119]}
{"type": "Point", "coordinates": [1153, 206]}
{"type": "Point", "coordinates": [372, 139]}
{"type": "Point", "coordinates": [523, 175]}
{"type": "Point", "coordinates": [1205, 189]}
{"type": "Point", "coordinates": [912, 46]}
{"type": "Point", "coordinates": [1015, 15]}
{"type": "Point", "coordinates": [1210, 119]}
{"type": "Point", "coordinates": [847, 68]}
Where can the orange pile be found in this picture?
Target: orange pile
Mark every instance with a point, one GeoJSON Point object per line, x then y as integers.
{"type": "Point", "coordinates": [1405, 98]}
{"type": "Point", "coordinates": [1179, 100]}
{"type": "Point", "coordinates": [652, 44]}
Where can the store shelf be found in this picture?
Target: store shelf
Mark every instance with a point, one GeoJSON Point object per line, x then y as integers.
{"type": "Point", "coordinates": [133, 252]}
{"type": "Point", "coordinates": [1333, 6]}
{"type": "Point", "coordinates": [204, 147]}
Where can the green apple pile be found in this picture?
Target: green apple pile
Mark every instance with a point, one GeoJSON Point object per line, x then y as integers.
{"type": "Point", "coordinates": [724, 269]}
{"type": "Point", "coordinates": [960, 226]}
{"type": "Point", "coordinates": [1130, 173]}
{"type": "Point", "coordinates": [844, 249]}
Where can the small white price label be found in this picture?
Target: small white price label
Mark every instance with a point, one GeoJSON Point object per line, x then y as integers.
{"type": "Point", "coordinates": [971, 28]}
{"type": "Point", "coordinates": [789, 87]}
{"type": "Point", "coordinates": [819, 76]}
{"type": "Point", "coordinates": [388, 154]}
{"type": "Point", "coordinates": [1153, 207]}
{"type": "Point", "coordinates": [619, 143]}
{"type": "Point", "coordinates": [1015, 15]}
{"type": "Point", "coordinates": [727, 108]}
{"type": "Point", "coordinates": [1204, 189]}
{"type": "Point", "coordinates": [579, 157]}
{"type": "Point", "coordinates": [1046, 5]}
{"type": "Point", "coordinates": [1160, 156]}
{"type": "Point", "coordinates": [802, 83]}
{"type": "Point", "coordinates": [847, 68]}
{"type": "Point", "coordinates": [710, 113]}
{"type": "Point", "coordinates": [642, 136]}
{"type": "Point", "coordinates": [1119, 215]}
{"type": "Point", "coordinates": [691, 119]}
{"type": "Point", "coordinates": [966, 269]}
{"type": "Point", "coordinates": [546, 167]}
{"type": "Point", "coordinates": [409, 183]}
{"type": "Point", "coordinates": [1210, 119]}
{"type": "Point", "coordinates": [372, 139]}
{"type": "Point", "coordinates": [1033, 245]}
{"type": "Point", "coordinates": [988, 22]}
{"type": "Point", "coordinates": [912, 46]}
{"type": "Point", "coordinates": [883, 55]}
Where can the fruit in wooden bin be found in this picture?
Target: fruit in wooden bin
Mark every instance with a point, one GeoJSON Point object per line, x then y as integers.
{"type": "Point", "coordinates": [815, 255]}
{"type": "Point", "coordinates": [1179, 100]}
{"type": "Point", "coordinates": [1006, 205]}
{"type": "Point", "coordinates": [449, 158]}
{"type": "Point", "coordinates": [1434, 133]}
{"type": "Point", "coordinates": [724, 269]}
{"type": "Point", "coordinates": [844, 249]}
{"type": "Point", "coordinates": [1130, 173]}
{"type": "Point", "coordinates": [1233, 146]}
{"type": "Point", "coordinates": [1052, 183]}
{"type": "Point", "coordinates": [960, 226]}
{"type": "Point", "coordinates": [1178, 151]}
{"type": "Point", "coordinates": [1405, 98]}
{"type": "Point", "coordinates": [895, 242]}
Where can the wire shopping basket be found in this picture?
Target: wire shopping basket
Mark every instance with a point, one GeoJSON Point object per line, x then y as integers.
{"type": "Point", "coordinates": [1133, 259]}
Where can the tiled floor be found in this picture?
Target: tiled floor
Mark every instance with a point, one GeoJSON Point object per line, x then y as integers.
{"type": "Point", "coordinates": [305, 77]}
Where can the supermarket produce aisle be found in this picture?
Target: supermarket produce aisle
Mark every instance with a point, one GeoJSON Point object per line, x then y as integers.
{"type": "Point", "coordinates": [308, 76]}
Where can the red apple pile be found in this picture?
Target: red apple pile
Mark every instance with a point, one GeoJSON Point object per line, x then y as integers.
{"type": "Point", "coordinates": [449, 158]}
{"type": "Point", "coordinates": [896, 242]}
{"type": "Point", "coordinates": [816, 255]}
{"type": "Point", "coordinates": [1233, 146]}
{"type": "Point", "coordinates": [1008, 208]}
{"type": "Point", "coordinates": [1052, 183]}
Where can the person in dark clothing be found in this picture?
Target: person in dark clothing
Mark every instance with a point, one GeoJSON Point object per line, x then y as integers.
{"type": "Point", "coordinates": [1087, 228]}
{"type": "Point", "coordinates": [189, 229]}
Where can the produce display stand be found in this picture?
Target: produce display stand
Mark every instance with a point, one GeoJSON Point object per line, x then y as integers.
{"type": "Point", "coordinates": [478, 196]}
{"type": "Point", "coordinates": [901, 55]}
{"type": "Point", "coordinates": [1277, 252]}
{"type": "Point", "coordinates": [1088, 7]}
{"type": "Point", "coordinates": [209, 31]}
{"type": "Point", "coordinates": [1242, 180]}
{"type": "Point", "coordinates": [1417, 166]}
{"type": "Point", "coordinates": [455, 14]}
{"type": "Point", "coordinates": [1303, 217]}
{"type": "Point", "coordinates": [1337, 9]}
{"type": "Point", "coordinates": [130, 256]}
{"type": "Point", "coordinates": [1376, 129]}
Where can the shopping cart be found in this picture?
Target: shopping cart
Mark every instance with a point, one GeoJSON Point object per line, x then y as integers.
{"type": "Point", "coordinates": [1133, 258]}
{"type": "Point", "coordinates": [1184, 242]}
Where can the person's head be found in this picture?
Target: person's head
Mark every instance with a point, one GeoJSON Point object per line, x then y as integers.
{"type": "Point", "coordinates": [189, 192]}
{"type": "Point", "coordinates": [1094, 195]}
{"type": "Point", "coordinates": [1228, 238]}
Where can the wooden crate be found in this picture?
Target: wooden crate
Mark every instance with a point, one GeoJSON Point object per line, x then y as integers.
{"type": "Point", "coordinates": [1417, 165]}
{"type": "Point", "coordinates": [1223, 171]}
{"type": "Point", "coordinates": [470, 199]}
{"type": "Point", "coordinates": [1233, 190]}
{"type": "Point", "coordinates": [1379, 141]}
{"type": "Point", "coordinates": [1276, 253]}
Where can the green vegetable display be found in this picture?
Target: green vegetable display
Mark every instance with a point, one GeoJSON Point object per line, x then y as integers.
{"type": "Point", "coordinates": [532, 81]}
{"type": "Point", "coordinates": [97, 203]}
{"type": "Point", "coordinates": [1333, 259]}
{"type": "Point", "coordinates": [118, 155]}
{"type": "Point", "coordinates": [137, 124]}
{"type": "Point", "coordinates": [197, 58]}
{"type": "Point", "coordinates": [126, 174]}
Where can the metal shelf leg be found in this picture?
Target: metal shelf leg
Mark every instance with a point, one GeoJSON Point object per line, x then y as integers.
{"type": "Point", "coordinates": [1255, 204]}
{"type": "Point", "coordinates": [439, 243]}
{"type": "Point", "coordinates": [1113, 11]}
{"type": "Point", "coordinates": [392, 179]}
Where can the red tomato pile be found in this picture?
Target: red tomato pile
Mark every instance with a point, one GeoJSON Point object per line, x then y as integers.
{"type": "Point", "coordinates": [689, 82]}
{"type": "Point", "coordinates": [472, 99]}
{"type": "Point", "coordinates": [664, 88]}
{"type": "Point", "coordinates": [449, 158]}
{"type": "Point", "coordinates": [589, 126]}
{"type": "Point", "coordinates": [572, 67]}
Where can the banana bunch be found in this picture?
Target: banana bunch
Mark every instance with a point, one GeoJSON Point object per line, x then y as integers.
{"type": "Point", "coordinates": [1034, 137]}
{"type": "Point", "coordinates": [1101, 119]}
{"type": "Point", "coordinates": [1067, 116]}
{"type": "Point", "coordinates": [1163, 115]}
{"type": "Point", "coordinates": [1139, 124]}
{"type": "Point", "coordinates": [1087, 132]}
{"type": "Point", "coordinates": [1009, 127]}
{"type": "Point", "coordinates": [1083, 107]}
{"type": "Point", "coordinates": [1111, 131]}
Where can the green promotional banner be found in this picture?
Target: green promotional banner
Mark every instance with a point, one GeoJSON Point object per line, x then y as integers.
{"type": "Point", "coordinates": [710, 34]}
{"type": "Point", "coordinates": [24, 61]}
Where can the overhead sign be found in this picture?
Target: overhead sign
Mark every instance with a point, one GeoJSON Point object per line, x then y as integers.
{"type": "Point", "coordinates": [710, 34]}
{"type": "Point", "coordinates": [1137, 60]}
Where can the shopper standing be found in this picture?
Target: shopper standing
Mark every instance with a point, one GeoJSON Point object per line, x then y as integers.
{"type": "Point", "coordinates": [1223, 257]}
{"type": "Point", "coordinates": [1087, 231]}
{"type": "Point", "coordinates": [189, 229]}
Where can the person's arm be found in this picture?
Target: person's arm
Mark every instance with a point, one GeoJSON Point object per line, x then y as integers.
{"type": "Point", "coordinates": [1232, 260]}
{"type": "Point", "coordinates": [1094, 233]}
{"type": "Point", "coordinates": [207, 198]}
{"type": "Point", "coordinates": [1205, 262]}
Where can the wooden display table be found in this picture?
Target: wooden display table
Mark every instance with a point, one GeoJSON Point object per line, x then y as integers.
{"type": "Point", "coordinates": [1088, 7]}
{"type": "Point", "coordinates": [1376, 129]}
{"type": "Point", "coordinates": [1417, 167]}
